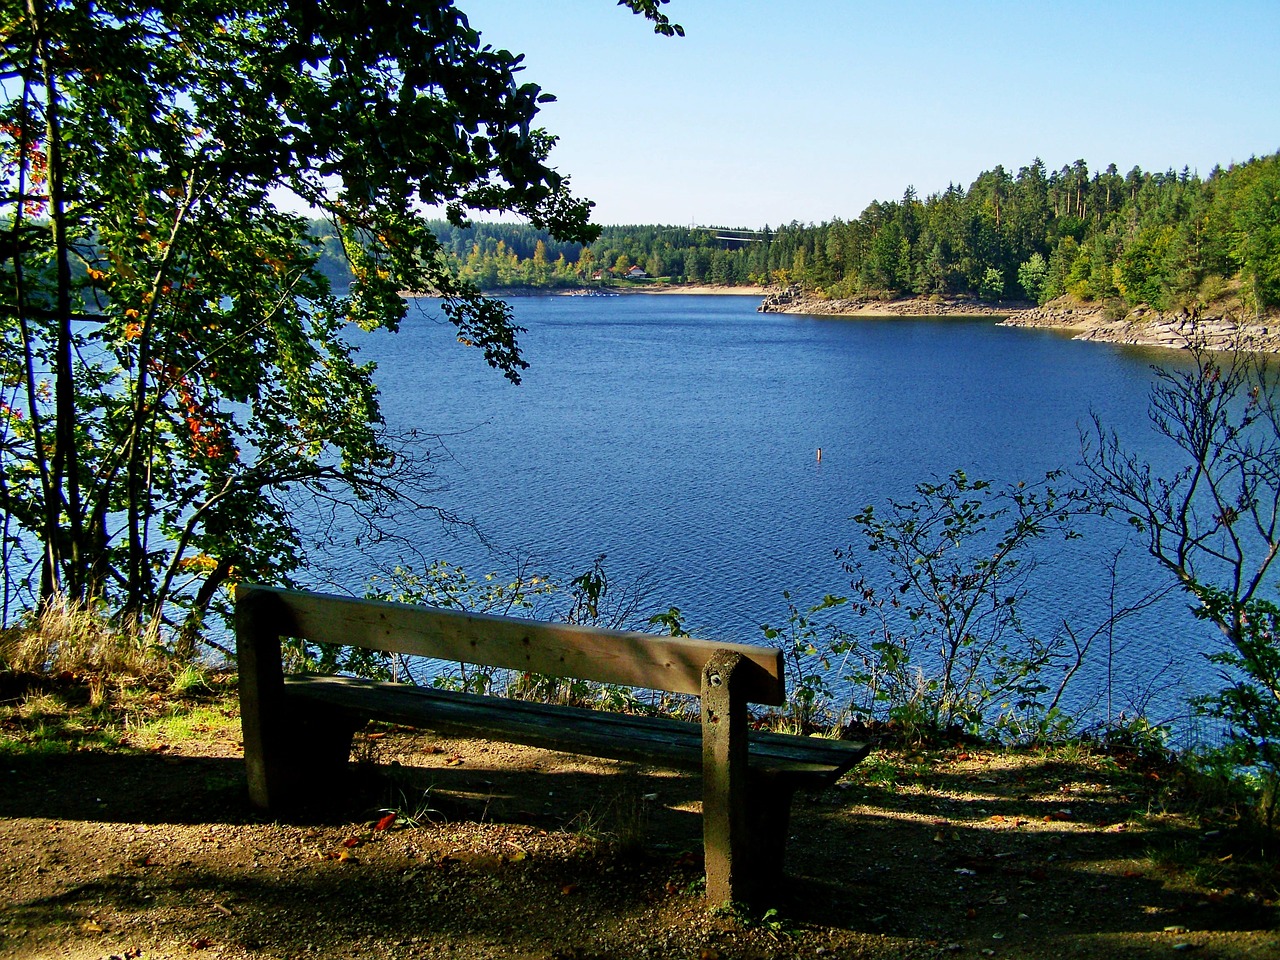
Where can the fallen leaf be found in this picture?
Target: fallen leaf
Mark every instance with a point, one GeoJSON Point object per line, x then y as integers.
{"type": "Point", "coordinates": [92, 926]}
{"type": "Point", "coordinates": [200, 943]}
{"type": "Point", "coordinates": [568, 888]}
{"type": "Point", "coordinates": [453, 761]}
{"type": "Point", "coordinates": [351, 842]}
{"type": "Point", "coordinates": [386, 822]}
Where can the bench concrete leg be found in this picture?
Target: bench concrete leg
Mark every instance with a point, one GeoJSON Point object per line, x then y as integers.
{"type": "Point", "coordinates": [289, 752]}
{"type": "Point", "coordinates": [263, 720]}
{"type": "Point", "coordinates": [725, 828]}
{"type": "Point", "coordinates": [321, 746]}
{"type": "Point", "coordinates": [769, 816]}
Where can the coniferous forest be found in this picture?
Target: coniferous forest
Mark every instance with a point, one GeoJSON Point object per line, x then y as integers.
{"type": "Point", "coordinates": [1168, 240]}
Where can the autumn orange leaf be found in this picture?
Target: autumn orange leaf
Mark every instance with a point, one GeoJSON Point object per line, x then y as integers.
{"type": "Point", "coordinates": [386, 822]}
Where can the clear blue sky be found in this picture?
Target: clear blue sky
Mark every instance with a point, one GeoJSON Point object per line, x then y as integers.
{"type": "Point", "coordinates": [771, 111]}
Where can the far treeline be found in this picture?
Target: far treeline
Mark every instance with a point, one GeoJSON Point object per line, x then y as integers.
{"type": "Point", "coordinates": [1167, 240]}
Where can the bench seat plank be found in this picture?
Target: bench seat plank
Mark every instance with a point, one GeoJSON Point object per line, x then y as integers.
{"type": "Point", "coordinates": [809, 762]}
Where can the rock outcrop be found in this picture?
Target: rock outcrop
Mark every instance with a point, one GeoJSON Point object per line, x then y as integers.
{"type": "Point", "coordinates": [1144, 326]}
{"type": "Point", "coordinates": [1140, 326]}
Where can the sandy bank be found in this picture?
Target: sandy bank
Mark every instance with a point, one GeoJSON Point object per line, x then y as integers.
{"type": "Point", "coordinates": [693, 290]}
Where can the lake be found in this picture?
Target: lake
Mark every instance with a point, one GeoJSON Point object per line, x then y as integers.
{"type": "Point", "coordinates": [678, 436]}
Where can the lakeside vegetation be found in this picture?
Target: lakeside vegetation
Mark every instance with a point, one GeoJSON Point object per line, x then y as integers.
{"type": "Point", "coordinates": [1169, 240]}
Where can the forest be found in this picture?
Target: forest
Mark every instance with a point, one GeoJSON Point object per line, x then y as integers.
{"type": "Point", "coordinates": [1168, 240]}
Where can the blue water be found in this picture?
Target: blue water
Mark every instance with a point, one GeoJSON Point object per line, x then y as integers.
{"type": "Point", "coordinates": [678, 435]}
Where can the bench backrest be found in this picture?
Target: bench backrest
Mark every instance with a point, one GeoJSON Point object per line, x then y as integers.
{"type": "Point", "coordinates": [672, 664]}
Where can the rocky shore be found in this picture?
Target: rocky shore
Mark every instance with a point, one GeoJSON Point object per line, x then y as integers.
{"type": "Point", "coordinates": [1142, 326]}
{"type": "Point", "coordinates": [794, 300]}
{"type": "Point", "coordinates": [1146, 327]}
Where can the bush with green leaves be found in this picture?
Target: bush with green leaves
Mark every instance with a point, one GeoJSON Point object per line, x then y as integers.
{"type": "Point", "coordinates": [808, 642]}
{"type": "Point", "coordinates": [947, 649]}
{"type": "Point", "coordinates": [1249, 700]}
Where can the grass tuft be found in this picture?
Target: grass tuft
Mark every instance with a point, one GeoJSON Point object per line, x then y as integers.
{"type": "Point", "coordinates": [71, 638]}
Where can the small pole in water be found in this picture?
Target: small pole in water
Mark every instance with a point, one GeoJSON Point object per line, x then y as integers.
{"type": "Point", "coordinates": [819, 454]}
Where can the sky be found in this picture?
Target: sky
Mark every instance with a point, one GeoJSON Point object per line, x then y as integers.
{"type": "Point", "coordinates": [768, 112]}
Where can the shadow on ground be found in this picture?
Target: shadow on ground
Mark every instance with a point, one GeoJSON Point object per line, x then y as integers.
{"type": "Point", "coordinates": [533, 854]}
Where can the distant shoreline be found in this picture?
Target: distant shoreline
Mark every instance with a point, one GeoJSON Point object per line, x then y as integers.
{"type": "Point", "coordinates": [1141, 326]}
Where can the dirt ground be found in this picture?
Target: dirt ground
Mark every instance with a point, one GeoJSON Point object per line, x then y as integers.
{"type": "Point", "coordinates": [149, 849]}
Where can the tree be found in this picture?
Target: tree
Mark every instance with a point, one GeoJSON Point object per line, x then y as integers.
{"type": "Point", "coordinates": [1212, 520]}
{"type": "Point", "coordinates": [992, 286]}
{"type": "Point", "coordinates": [1255, 239]}
{"type": "Point", "coordinates": [1032, 275]}
{"type": "Point", "coordinates": [174, 363]}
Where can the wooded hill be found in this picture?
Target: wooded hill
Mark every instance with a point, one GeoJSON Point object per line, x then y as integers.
{"type": "Point", "coordinates": [1165, 239]}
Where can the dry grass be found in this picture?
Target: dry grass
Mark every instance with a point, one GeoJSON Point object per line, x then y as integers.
{"type": "Point", "coordinates": [71, 638]}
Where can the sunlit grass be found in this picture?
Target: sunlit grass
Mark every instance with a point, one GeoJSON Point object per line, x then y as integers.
{"type": "Point", "coordinates": [49, 724]}
{"type": "Point", "coordinates": [186, 722]}
{"type": "Point", "coordinates": [44, 716]}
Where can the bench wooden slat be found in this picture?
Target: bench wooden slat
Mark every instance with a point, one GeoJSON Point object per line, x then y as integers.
{"type": "Point", "coordinates": [632, 659]}
{"type": "Point", "coordinates": [659, 741]}
{"type": "Point", "coordinates": [298, 730]}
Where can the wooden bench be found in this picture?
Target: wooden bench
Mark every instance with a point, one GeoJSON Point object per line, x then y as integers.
{"type": "Point", "coordinates": [298, 729]}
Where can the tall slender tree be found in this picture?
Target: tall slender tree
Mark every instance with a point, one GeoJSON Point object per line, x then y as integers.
{"type": "Point", "coordinates": [174, 365]}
